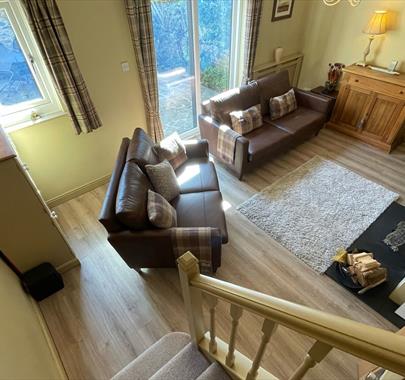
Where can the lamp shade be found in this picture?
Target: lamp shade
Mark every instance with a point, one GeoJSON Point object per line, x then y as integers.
{"type": "Point", "coordinates": [377, 23]}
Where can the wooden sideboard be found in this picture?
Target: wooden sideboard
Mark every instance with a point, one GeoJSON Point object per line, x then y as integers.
{"type": "Point", "coordinates": [371, 107]}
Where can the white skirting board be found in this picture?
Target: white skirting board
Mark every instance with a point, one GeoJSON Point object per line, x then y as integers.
{"type": "Point", "coordinates": [68, 195]}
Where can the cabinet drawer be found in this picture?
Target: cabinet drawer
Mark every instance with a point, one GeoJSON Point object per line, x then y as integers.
{"type": "Point", "coordinates": [377, 86]}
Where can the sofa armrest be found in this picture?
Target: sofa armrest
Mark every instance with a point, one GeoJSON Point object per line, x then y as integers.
{"type": "Point", "coordinates": [313, 101]}
{"type": "Point", "coordinates": [209, 130]}
{"type": "Point", "coordinates": [197, 148]}
{"type": "Point", "coordinates": [107, 215]}
{"type": "Point", "coordinates": [153, 248]}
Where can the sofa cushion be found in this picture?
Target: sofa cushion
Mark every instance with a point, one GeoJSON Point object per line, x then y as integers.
{"type": "Point", "coordinates": [267, 140]}
{"type": "Point", "coordinates": [282, 105]}
{"type": "Point", "coordinates": [172, 149]}
{"type": "Point", "coordinates": [160, 212]}
{"type": "Point", "coordinates": [197, 175]}
{"type": "Point", "coordinates": [245, 121]}
{"type": "Point", "coordinates": [141, 150]}
{"type": "Point", "coordinates": [163, 179]}
{"type": "Point", "coordinates": [272, 85]}
{"type": "Point", "coordinates": [303, 121]}
{"type": "Point", "coordinates": [236, 99]}
{"type": "Point", "coordinates": [203, 209]}
{"type": "Point", "coordinates": [131, 201]}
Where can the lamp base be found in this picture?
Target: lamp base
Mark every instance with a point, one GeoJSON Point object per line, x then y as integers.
{"type": "Point", "coordinates": [362, 64]}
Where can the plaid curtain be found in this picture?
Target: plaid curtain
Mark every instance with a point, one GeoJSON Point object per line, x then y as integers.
{"type": "Point", "coordinates": [140, 23]}
{"type": "Point", "coordinates": [253, 15]}
{"type": "Point", "coordinates": [50, 34]}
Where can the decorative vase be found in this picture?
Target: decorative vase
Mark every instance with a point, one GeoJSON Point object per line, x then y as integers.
{"type": "Point", "coordinates": [278, 54]}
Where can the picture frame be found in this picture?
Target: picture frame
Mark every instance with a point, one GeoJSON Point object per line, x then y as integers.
{"type": "Point", "coordinates": [282, 9]}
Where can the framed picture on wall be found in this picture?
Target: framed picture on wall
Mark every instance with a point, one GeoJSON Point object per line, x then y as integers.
{"type": "Point", "coordinates": [282, 9]}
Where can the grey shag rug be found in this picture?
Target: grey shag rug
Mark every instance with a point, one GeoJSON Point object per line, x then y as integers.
{"type": "Point", "coordinates": [316, 209]}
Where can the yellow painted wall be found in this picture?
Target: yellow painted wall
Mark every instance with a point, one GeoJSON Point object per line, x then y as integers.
{"type": "Point", "coordinates": [334, 34]}
{"type": "Point", "coordinates": [60, 160]}
{"type": "Point", "coordinates": [287, 33]}
{"type": "Point", "coordinates": [24, 351]}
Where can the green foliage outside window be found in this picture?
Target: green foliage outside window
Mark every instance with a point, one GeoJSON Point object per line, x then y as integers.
{"type": "Point", "coordinates": [216, 76]}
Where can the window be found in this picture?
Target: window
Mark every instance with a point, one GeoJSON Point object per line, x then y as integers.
{"type": "Point", "coordinates": [27, 93]}
{"type": "Point", "coordinates": [198, 50]}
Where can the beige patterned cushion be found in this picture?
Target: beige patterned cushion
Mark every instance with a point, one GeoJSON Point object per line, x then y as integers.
{"type": "Point", "coordinates": [246, 121]}
{"type": "Point", "coordinates": [163, 179]}
{"type": "Point", "coordinates": [172, 149]}
{"type": "Point", "coordinates": [160, 212]}
{"type": "Point", "coordinates": [282, 105]}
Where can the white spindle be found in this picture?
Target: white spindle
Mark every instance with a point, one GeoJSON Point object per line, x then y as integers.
{"type": "Point", "coordinates": [212, 304]}
{"type": "Point", "coordinates": [268, 329]}
{"type": "Point", "coordinates": [236, 313]}
{"type": "Point", "coordinates": [188, 268]}
{"type": "Point", "coordinates": [314, 356]}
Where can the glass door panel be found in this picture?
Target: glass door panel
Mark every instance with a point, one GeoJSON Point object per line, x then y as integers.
{"type": "Point", "coordinates": [215, 33]}
{"type": "Point", "coordinates": [172, 29]}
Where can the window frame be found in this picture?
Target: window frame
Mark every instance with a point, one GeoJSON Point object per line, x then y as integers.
{"type": "Point", "coordinates": [34, 111]}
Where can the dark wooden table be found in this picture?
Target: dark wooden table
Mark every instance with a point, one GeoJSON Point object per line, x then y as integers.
{"type": "Point", "coordinates": [320, 90]}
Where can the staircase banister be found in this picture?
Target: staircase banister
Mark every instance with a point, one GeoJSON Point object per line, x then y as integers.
{"type": "Point", "coordinates": [373, 344]}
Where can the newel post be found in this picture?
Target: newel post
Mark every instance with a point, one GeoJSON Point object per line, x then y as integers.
{"type": "Point", "coordinates": [192, 297]}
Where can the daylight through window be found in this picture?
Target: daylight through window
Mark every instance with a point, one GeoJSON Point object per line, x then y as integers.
{"type": "Point", "coordinates": [27, 93]}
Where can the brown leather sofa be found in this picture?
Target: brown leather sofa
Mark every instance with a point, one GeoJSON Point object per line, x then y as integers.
{"type": "Point", "coordinates": [199, 204]}
{"type": "Point", "coordinates": [273, 137]}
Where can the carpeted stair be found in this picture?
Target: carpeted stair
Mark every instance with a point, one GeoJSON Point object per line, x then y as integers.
{"type": "Point", "coordinates": [173, 357]}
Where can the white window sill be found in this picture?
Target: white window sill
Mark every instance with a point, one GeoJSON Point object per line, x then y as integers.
{"type": "Point", "coordinates": [30, 123]}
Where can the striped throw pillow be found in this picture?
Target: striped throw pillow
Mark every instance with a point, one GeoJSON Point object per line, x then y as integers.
{"type": "Point", "coordinates": [172, 149]}
{"type": "Point", "coordinates": [282, 105]}
{"type": "Point", "coordinates": [246, 121]}
{"type": "Point", "coordinates": [160, 212]}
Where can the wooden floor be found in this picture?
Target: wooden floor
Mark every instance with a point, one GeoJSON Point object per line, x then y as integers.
{"type": "Point", "coordinates": [108, 314]}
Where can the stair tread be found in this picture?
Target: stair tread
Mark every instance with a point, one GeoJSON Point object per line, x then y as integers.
{"type": "Point", "coordinates": [188, 364]}
{"type": "Point", "coordinates": [154, 358]}
{"type": "Point", "coordinates": [214, 372]}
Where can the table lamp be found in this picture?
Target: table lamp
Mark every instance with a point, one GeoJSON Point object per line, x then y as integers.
{"type": "Point", "coordinates": [376, 26]}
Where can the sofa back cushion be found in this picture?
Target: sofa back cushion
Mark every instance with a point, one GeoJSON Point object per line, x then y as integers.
{"type": "Point", "coordinates": [271, 86]}
{"type": "Point", "coordinates": [233, 100]}
{"type": "Point", "coordinates": [141, 151]}
{"type": "Point", "coordinates": [132, 197]}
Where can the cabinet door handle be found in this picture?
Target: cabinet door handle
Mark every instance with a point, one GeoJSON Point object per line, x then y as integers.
{"type": "Point", "coordinates": [401, 92]}
{"type": "Point", "coordinates": [360, 124]}
{"type": "Point", "coordinates": [356, 80]}
{"type": "Point", "coordinates": [54, 215]}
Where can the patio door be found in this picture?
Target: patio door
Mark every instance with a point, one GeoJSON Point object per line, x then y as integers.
{"type": "Point", "coordinates": [195, 43]}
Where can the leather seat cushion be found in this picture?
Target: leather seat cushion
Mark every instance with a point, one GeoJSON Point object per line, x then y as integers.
{"type": "Point", "coordinates": [234, 100]}
{"type": "Point", "coordinates": [203, 209]}
{"type": "Point", "coordinates": [302, 121]}
{"type": "Point", "coordinates": [267, 139]}
{"type": "Point", "coordinates": [141, 150]}
{"type": "Point", "coordinates": [197, 175]}
{"type": "Point", "coordinates": [132, 196]}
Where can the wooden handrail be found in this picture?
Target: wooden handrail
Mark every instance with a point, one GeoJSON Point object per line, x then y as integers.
{"type": "Point", "coordinates": [375, 345]}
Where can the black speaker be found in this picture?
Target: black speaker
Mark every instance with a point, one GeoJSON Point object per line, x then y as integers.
{"type": "Point", "coordinates": [42, 281]}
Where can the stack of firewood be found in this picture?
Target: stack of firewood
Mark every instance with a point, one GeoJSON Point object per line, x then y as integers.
{"type": "Point", "coordinates": [363, 268]}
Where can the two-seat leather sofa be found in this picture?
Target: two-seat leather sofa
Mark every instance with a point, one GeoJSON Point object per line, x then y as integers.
{"type": "Point", "coordinates": [275, 136]}
{"type": "Point", "coordinates": [199, 204]}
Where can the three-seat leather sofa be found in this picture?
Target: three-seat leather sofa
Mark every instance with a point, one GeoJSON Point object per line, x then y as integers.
{"type": "Point", "coordinates": [275, 136]}
{"type": "Point", "coordinates": [199, 204]}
